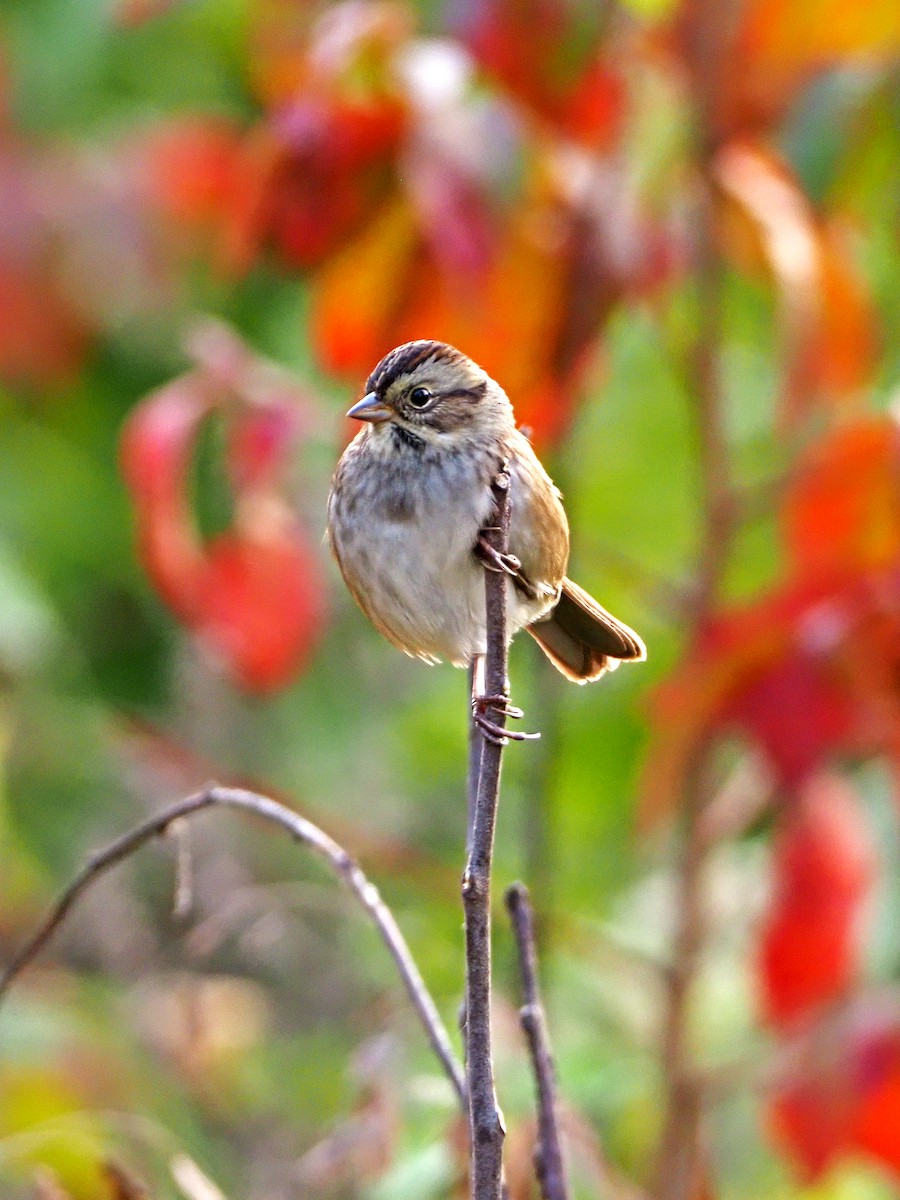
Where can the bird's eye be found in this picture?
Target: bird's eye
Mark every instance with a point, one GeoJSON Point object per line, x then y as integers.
{"type": "Point", "coordinates": [419, 397]}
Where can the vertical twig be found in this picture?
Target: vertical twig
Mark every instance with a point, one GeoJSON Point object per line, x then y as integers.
{"type": "Point", "coordinates": [485, 1120]}
{"type": "Point", "coordinates": [548, 1159]}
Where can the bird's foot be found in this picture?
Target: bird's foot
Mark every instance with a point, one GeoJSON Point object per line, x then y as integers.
{"type": "Point", "coordinates": [493, 732]}
{"type": "Point", "coordinates": [480, 704]}
{"type": "Point", "coordinates": [493, 560]}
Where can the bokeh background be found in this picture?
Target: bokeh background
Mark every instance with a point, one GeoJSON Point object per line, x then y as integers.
{"type": "Point", "coordinates": [670, 229]}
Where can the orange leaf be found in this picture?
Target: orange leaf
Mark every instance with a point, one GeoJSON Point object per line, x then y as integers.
{"type": "Point", "coordinates": [844, 352]}
{"type": "Point", "coordinates": [777, 47]}
{"type": "Point", "coordinates": [798, 34]}
{"type": "Point", "coordinates": [42, 340]}
{"type": "Point", "coordinates": [509, 323]}
{"type": "Point", "coordinates": [827, 318]}
{"type": "Point", "coordinates": [842, 511]}
{"type": "Point", "coordinates": [353, 308]}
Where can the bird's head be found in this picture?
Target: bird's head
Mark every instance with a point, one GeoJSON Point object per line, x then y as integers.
{"type": "Point", "coordinates": [429, 393]}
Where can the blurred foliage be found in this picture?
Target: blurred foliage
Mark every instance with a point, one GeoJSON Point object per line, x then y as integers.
{"type": "Point", "coordinates": [670, 229]}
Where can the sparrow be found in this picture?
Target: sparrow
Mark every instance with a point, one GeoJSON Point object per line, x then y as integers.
{"type": "Point", "coordinates": [409, 499]}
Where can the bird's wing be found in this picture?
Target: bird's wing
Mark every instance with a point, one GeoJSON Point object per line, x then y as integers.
{"type": "Point", "coordinates": [538, 529]}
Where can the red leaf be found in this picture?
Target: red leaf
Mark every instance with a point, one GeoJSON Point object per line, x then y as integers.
{"type": "Point", "coordinates": [841, 1092]}
{"type": "Point", "coordinates": [877, 1122]}
{"type": "Point", "coordinates": [329, 172]}
{"type": "Point", "coordinates": [156, 448]}
{"type": "Point", "coordinates": [809, 670]}
{"type": "Point", "coordinates": [255, 594]}
{"type": "Point", "coordinates": [557, 75]}
{"type": "Point", "coordinates": [263, 606]}
{"type": "Point", "coordinates": [811, 1122]}
{"type": "Point", "coordinates": [192, 167]}
{"type": "Point", "coordinates": [733, 655]}
{"type": "Point", "coordinates": [796, 712]}
{"type": "Point", "coordinates": [260, 438]}
{"type": "Point", "coordinates": [823, 869]}
{"type": "Point", "coordinates": [596, 107]}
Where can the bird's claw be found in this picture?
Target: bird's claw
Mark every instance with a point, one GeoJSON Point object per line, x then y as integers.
{"type": "Point", "coordinates": [490, 730]}
{"type": "Point", "coordinates": [493, 560]}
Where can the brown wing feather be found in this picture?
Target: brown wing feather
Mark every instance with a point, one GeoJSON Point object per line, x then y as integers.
{"type": "Point", "coordinates": [539, 531]}
{"type": "Point", "coordinates": [579, 636]}
{"type": "Point", "coordinates": [584, 618]}
{"type": "Point", "coordinates": [582, 639]}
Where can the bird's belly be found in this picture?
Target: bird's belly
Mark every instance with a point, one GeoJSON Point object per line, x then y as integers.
{"type": "Point", "coordinates": [423, 587]}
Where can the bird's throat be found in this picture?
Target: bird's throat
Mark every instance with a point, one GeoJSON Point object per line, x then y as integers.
{"type": "Point", "coordinates": [405, 437]}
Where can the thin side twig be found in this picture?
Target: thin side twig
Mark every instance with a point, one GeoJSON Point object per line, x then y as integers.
{"type": "Point", "coordinates": [183, 901]}
{"type": "Point", "coordinates": [485, 1120]}
{"type": "Point", "coordinates": [300, 830]}
{"type": "Point", "coordinates": [548, 1160]}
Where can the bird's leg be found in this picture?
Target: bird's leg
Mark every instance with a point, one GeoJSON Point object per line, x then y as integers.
{"type": "Point", "coordinates": [493, 560]}
{"type": "Point", "coordinates": [482, 704]}
{"type": "Point", "coordinates": [498, 704]}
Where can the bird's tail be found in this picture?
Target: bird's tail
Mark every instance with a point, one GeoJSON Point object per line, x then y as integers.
{"type": "Point", "coordinates": [582, 639]}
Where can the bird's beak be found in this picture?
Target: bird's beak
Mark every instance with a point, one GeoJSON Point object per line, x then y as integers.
{"type": "Point", "coordinates": [370, 408]}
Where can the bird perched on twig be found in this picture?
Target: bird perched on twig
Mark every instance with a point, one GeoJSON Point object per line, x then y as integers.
{"type": "Point", "coordinates": [410, 497]}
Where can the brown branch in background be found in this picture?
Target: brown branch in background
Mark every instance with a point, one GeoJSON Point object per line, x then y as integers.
{"type": "Point", "coordinates": [300, 830]}
{"type": "Point", "coordinates": [548, 1159]}
{"type": "Point", "coordinates": [741, 799]}
{"type": "Point", "coordinates": [682, 1168]}
{"type": "Point", "coordinates": [680, 1164]}
{"type": "Point", "coordinates": [719, 500]}
{"type": "Point", "coordinates": [485, 1121]}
